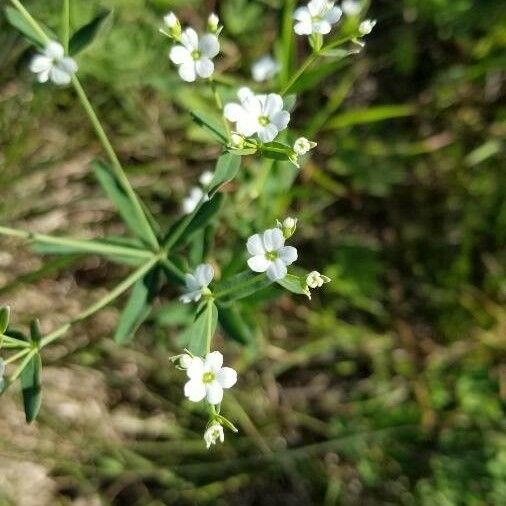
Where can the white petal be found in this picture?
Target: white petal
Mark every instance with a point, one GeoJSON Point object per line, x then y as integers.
{"type": "Point", "coordinates": [187, 72]}
{"type": "Point", "coordinates": [59, 76]}
{"type": "Point", "coordinates": [180, 55]}
{"type": "Point", "coordinates": [233, 112]}
{"type": "Point", "coordinates": [303, 28]}
{"type": "Point", "coordinates": [322, 27]}
{"type": "Point", "coordinates": [68, 64]}
{"type": "Point", "coordinates": [188, 297]}
{"type": "Point", "coordinates": [268, 133]}
{"type": "Point", "coordinates": [255, 245]}
{"type": "Point", "coordinates": [316, 7]}
{"type": "Point", "coordinates": [54, 50]}
{"type": "Point", "coordinates": [204, 67]}
{"type": "Point", "coordinates": [244, 93]}
{"type": "Point", "coordinates": [288, 254]}
{"type": "Point", "coordinates": [196, 369]}
{"type": "Point", "coordinates": [191, 282]}
{"type": "Point", "coordinates": [333, 15]}
{"type": "Point", "coordinates": [209, 45]}
{"type": "Point", "coordinates": [41, 63]}
{"type": "Point", "coordinates": [259, 263]}
{"type": "Point", "coordinates": [281, 119]}
{"type": "Point", "coordinates": [190, 39]}
{"type": "Point", "coordinates": [302, 14]}
{"type": "Point", "coordinates": [273, 239]}
{"type": "Point", "coordinates": [204, 274]}
{"type": "Point", "coordinates": [214, 361]}
{"type": "Point", "coordinates": [214, 392]}
{"type": "Point", "coordinates": [227, 377]}
{"type": "Point", "coordinates": [43, 76]}
{"type": "Point", "coordinates": [277, 270]}
{"type": "Point", "coordinates": [273, 104]}
{"type": "Point", "coordinates": [247, 125]}
{"type": "Point", "coordinates": [195, 390]}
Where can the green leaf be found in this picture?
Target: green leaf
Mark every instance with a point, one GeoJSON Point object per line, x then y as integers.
{"type": "Point", "coordinates": [117, 194]}
{"type": "Point", "coordinates": [226, 169]}
{"type": "Point", "coordinates": [87, 33]}
{"type": "Point", "coordinates": [138, 306]}
{"type": "Point", "coordinates": [240, 286]}
{"type": "Point", "coordinates": [35, 334]}
{"type": "Point", "coordinates": [277, 151]}
{"type": "Point", "coordinates": [211, 124]}
{"type": "Point", "coordinates": [31, 387]}
{"type": "Point", "coordinates": [195, 337]}
{"type": "Point", "coordinates": [16, 20]}
{"type": "Point", "coordinates": [5, 314]}
{"type": "Point", "coordinates": [233, 324]}
{"type": "Point", "coordinates": [295, 284]}
{"type": "Point", "coordinates": [370, 115]}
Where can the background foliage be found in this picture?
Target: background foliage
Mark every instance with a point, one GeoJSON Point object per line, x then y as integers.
{"type": "Point", "coordinates": [389, 387]}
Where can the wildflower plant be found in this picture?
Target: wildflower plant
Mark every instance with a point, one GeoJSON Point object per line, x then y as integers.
{"type": "Point", "coordinates": [254, 127]}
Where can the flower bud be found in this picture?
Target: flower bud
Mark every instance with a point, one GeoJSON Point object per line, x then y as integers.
{"type": "Point", "coordinates": [288, 226]}
{"type": "Point", "coordinates": [213, 23]}
{"type": "Point", "coordinates": [316, 280]}
{"type": "Point", "coordinates": [237, 141]}
{"type": "Point", "coordinates": [366, 26]}
{"type": "Point", "coordinates": [214, 433]}
{"type": "Point", "coordinates": [185, 361]}
{"type": "Point", "coordinates": [303, 146]}
{"type": "Point", "coordinates": [173, 24]}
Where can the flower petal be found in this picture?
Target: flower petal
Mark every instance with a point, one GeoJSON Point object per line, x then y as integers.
{"type": "Point", "coordinates": [179, 55]}
{"type": "Point", "coordinates": [41, 63]}
{"type": "Point", "coordinates": [244, 93]}
{"type": "Point", "coordinates": [288, 254]}
{"type": "Point", "coordinates": [68, 65]}
{"type": "Point", "coordinates": [191, 282]}
{"type": "Point", "coordinates": [255, 245]}
{"type": "Point", "coordinates": [209, 45]}
{"type": "Point", "coordinates": [188, 297]}
{"type": "Point", "coordinates": [273, 239]}
{"type": "Point", "coordinates": [317, 7]}
{"type": "Point", "coordinates": [233, 112]}
{"type": "Point", "coordinates": [190, 39]}
{"type": "Point", "coordinates": [195, 390]}
{"type": "Point", "coordinates": [196, 369]}
{"type": "Point", "coordinates": [268, 133]}
{"type": "Point", "coordinates": [322, 27]}
{"type": "Point", "coordinates": [214, 392]}
{"type": "Point", "coordinates": [54, 50]}
{"type": "Point", "coordinates": [213, 362]}
{"type": "Point", "coordinates": [302, 14]}
{"type": "Point", "coordinates": [333, 15]}
{"type": "Point", "coordinates": [204, 67]}
{"type": "Point", "coordinates": [247, 125]}
{"type": "Point", "coordinates": [59, 76]}
{"type": "Point", "coordinates": [204, 274]}
{"type": "Point", "coordinates": [259, 263]}
{"type": "Point", "coordinates": [227, 377]}
{"type": "Point", "coordinates": [303, 28]}
{"type": "Point", "coordinates": [273, 104]}
{"type": "Point", "coordinates": [187, 72]}
{"type": "Point", "coordinates": [281, 119]}
{"type": "Point", "coordinates": [277, 270]}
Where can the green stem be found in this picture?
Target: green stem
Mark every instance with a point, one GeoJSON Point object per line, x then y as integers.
{"type": "Point", "coordinates": [17, 356]}
{"type": "Point", "coordinates": [116, 165]}
{"type": "Point", "coordinates": [88, 246]}
{"type": "Point", "coordinates": [209, 327]}
{"type": "Point", "coordinates": [23, 364]}
{"type": "Point", "coordinates": [110, 297]}
{"type": "Point", "coordinates": [29, 19]}
{"type": "Point", "coordinates": [305, 66]}
{"type": "Point", "coordinates": [179, 230]}
{"type": "Point", "coordinates": [66, 25]}
{"type": "Point", "coordinates": [171, 267]}
{"type": "Point", "coordinates": [13, 341]}
{"type": "Point", "coordinates": [219, 105]}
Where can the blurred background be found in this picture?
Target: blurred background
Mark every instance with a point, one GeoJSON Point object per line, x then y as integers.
{"type": "Point", "coordinates": [389, 387]}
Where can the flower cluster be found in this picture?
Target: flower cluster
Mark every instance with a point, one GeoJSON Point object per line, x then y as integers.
{"type": "Point", "coordinates": [317, 17]}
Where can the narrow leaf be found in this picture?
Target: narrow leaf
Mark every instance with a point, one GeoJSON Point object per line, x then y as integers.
{"type": "Point", "coordinates": [195, 337]}
{"type": "Point", "coordinates": [31, 387]}
{"type": "Point", "coordinates": [295, 284]}
{"type": "Point", "coordinates": [370, 115]}
{"type": "Point", "coordinates": [226, 170]}
{"type": "Point", "coordinates": [16, 20]}
{"type": "Point", "coordinates": [233, 324]}
{"type": "Point", "coordinates": [35, 334]}
{"type": "Point", "coordinates": [87, 33]}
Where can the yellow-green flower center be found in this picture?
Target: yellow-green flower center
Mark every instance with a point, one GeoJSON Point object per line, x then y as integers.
{"type": "Point", "coordinates": [196, 54]}
{"type": "Point", "coordinates": [264, 120]}
{"type": "Point", "coordinates": [271, 255]}
{"type": "Point", "coordinates": [208, 377]}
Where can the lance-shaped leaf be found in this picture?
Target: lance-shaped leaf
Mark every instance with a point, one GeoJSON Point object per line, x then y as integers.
{"type": "Point", "coordinates": [87, 33]}
{"type": "Point", "coordinates": [117, 194]}
{"type": "Point", "coordinates": [5, 314]}
{"type": "Point", "coordinates": [240, 286]}
{"type": "Point", "coordinates": [138, 306]}
{"type": "Point", "coordinates": [226, 169]}
{"type": "Point", "coordinates": [233, 324]}
{"type": "Point", "coordinates": [31, 387]}
{"type": "Point", "coordinates": [35, 333]}
{"type": "Point", "coordinates": [295, 284]}
{"type": "Point", "coordinates": [16, 20]}
{"type": "Point", "coordinates": [203, 327]}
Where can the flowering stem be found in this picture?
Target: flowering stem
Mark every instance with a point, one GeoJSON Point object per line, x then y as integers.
{"type": "Point", "coordinates": [209, 325]}
{"type": "Point", "coordinates": [116, 165]}
{"type": "Point", "coordinates": [66, 25]}
{"type": "Point", "coordinates": [29, 19]}
{"type": "Point", "coordinates": [104, 301]}
{"type": "Point", "coordinates": [17, 356]}
{"type": "Point", "coordinates": [90, 246]}
{"type": "Point", "coordinates": [305, 66]}
{"type": "Point", "coordinates": [219, 105]}
{"type": "Point", "coordinates": [13, 342]}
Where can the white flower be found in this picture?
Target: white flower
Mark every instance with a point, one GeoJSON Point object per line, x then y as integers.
{"type": "Point", "coordinates": [53, 65]}
{"type": "Point", "coordinates": [303, 146]}
{"type": "Point", "coordinates": [317, 17]}
{"type": "Point", "coordinates": [206, 178]}
{"type": "Point", "coordinates": [366, 26]}
{"type": "Point", "coordinates": [197, 283]}
{"type": "Point", "coordinates": [316, 280]}
{"type": "Point", "coordinates": [194, 56]}
{"type": "Point", "coordinates": [351, 7]}
{"type": "Point", "coordinates": [269, 254]}
{"type": "Point", "coordinates": [265, 68]}
{"type": "Point", "coordinates": [213, 23]}
{"type": "Point", "coordinates": [214, 433]}
{"type": "Point", "coordinates": [191, 202]}
{"type": "Point", "coordinates": [258, 114]}
{"type": "Point", "coordinates": [171, 20]}
{"type": "Point", "coordinates": [208, 378]}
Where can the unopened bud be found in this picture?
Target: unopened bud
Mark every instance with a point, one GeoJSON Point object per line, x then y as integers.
{"type": "Point", "coordinates": [288, 226]}
{"type": "Point", "coordinates": [213, 23]}
{"type": "Point", "coordinates": [316, 280]}
{"type": "Point", "coordinates": [366, 26]}
{"type": "Point", "coordinates": [303, 146]}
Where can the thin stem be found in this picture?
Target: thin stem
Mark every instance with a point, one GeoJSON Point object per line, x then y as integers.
{"type": "Point", "coordinates": [171, 267]}
{"type": "Point", "coordinates": [17, 356]}
{"type": "Point", "coordinates": [209, 326]}
{"type": "Point", "coordinates": [110, 297]}
{"type": "Point", "coordinates": [13, 341]}
{"type": "Point", "coordinates": [116, 165]}
{"type": "Point", "coordinates": [66, 25]}
{"type": "Point", "coordinates": [219, 105]}
{"type": "Point", "coordinates": [29, 19]}
{"type": "Point", "coordinates": [305, 66]}
{"type": "Point", "coordinates": [173, 238]}
{"type": "Point", "coordinates": [89, 246]}
{"type": "Point", "coordinates": [23, 364]}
